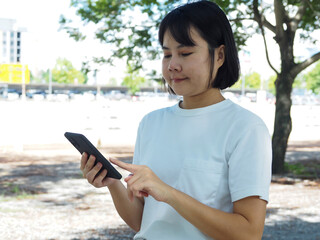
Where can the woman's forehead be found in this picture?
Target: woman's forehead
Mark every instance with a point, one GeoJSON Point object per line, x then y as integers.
{"type": "Point", "coordinates": [194, 37]}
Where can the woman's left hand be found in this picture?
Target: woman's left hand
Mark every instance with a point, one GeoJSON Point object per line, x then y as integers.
{"type": "Point", "coordinates": [143, 182]}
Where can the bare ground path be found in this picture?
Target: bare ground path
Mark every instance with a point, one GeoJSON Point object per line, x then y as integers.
{"type": "Point", "coordinates": [43, 196]}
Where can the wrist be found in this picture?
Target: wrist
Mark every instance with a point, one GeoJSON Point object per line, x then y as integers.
{"type": "Point", "coordinates": [114, 185]}
{"type": "Point", "coordinates": [171, 195]}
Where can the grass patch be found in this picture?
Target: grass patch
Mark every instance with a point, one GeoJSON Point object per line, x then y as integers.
{"type": "Point", "coordinates": [297, 169]}
{"type": "Point", "coordinates": [8, 210]}
{"type": "Point", "coordinates": [310, 170]}
{"type": "Point", "coordinates": [14, 191]}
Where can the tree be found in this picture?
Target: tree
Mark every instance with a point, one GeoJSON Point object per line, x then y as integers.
{"type": "Point", "coordinates": [132, 38]}
{"type": "Point", "coordinates": [253, 80]}
{"type": "Point", "coordinates": [64, 72]}
{"type": "Point", "coordinates": [313, 79]}
{"type": "Point", "coordinates": [270, 84]}
{"type": "Point", "coordinates": [290, 17]}
{"type": "Point", "coordinates": [34, 78]}
{"type": "Point", "coordinates": [133, 80]}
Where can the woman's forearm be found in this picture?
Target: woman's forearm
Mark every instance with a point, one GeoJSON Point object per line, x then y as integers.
{"type": "Point", "coordinates": [216, 223]}
{"type": "Point", "coordinates": [129, 211]}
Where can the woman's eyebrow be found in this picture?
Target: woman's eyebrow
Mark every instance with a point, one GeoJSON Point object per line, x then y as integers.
{"type": "Point", "coordinates": [179, 46]}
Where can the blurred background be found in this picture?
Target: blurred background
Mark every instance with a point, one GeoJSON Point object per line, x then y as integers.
{"type": "Point", "coordinates": [94, 67]}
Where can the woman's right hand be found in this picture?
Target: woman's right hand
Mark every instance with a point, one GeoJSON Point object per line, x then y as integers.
{"type": "Point", "coordinates": [90, 172]}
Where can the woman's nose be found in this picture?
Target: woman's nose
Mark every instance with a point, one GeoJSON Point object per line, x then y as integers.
{"type": "Point", "coordinates": [174, 65]}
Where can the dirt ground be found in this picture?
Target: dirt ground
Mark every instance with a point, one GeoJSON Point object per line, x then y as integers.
{"type": "Point", "coordinates": [43, 196]}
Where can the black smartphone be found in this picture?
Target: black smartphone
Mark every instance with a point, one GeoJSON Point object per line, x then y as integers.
{"type": "Point", "coordinates": [82, 144]}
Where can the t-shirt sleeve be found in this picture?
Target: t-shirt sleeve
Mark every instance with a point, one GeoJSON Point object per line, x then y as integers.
{"type": "Point", "coordinates": [250, 164]}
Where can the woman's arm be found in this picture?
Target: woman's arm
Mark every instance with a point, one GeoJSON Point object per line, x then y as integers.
{"type": "Point", "coordinates": [129, 210]}
{"type": "Point", "coordinates": [246, 221]}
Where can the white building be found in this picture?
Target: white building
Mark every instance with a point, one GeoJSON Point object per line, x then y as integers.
{"type": "Point", "coordinates": [10, 41]}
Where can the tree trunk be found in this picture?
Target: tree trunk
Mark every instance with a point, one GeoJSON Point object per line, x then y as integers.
{"type": "Point", "coordinates": [284, 82]}
{"type": "Point", "coordinates": [285, 31]}
{"type": "Point", "coordinates": [282, 122]}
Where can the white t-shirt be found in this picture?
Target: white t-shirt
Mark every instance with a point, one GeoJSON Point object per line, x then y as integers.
{"type": "Point", "coordinates": [217, 154]}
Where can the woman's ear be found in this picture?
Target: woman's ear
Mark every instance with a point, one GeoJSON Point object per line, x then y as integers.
{"type": "Point", "coordinates": [220, 55]}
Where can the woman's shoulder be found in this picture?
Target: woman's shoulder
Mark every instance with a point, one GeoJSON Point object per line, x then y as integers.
{"type": "Point", "coordinates": [158, 114]}
{"type": "Point", "coordinates": [244, 116]}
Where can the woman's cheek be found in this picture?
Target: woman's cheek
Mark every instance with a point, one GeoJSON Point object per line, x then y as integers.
{"type": "Point", "coordinates": [165, 73]}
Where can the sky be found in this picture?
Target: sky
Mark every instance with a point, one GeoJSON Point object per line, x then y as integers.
{"type": "Point", "coordinates": [42, 43]}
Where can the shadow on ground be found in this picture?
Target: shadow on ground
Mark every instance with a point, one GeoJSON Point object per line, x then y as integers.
{"type": "Point", "coordinates": [295, 229]}
{"type": "Point", "coordinates": [21, 174]}
{"type": "Point", "coordinates": [24, 174]}
{"type": "Point", "coordinates": [120, 233]}
{"type": "Point", "coordinates": [298, 229]}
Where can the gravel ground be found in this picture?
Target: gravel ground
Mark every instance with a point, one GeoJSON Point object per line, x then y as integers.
{"type": "Point", "coordinates": [43, 196]}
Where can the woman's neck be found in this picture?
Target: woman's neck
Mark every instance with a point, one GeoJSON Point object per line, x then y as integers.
{"type": "Point", "coordinates": [207, 98]}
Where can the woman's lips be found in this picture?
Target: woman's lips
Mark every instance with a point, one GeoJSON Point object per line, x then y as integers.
{"type": "Point", "coordinates": [178, 80]}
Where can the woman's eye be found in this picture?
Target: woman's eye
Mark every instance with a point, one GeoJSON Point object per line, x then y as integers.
{"type": "Point", "coordinates": [186, 54]}
{"type": "Point", "coordinates": [182, 54]}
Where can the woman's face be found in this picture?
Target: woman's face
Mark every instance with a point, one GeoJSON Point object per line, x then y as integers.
{"type": "Point", "coordinates": [186, 69]}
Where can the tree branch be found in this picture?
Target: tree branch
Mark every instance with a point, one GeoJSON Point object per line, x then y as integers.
{"type": "Point", "coordinates": [303, 65]}
{"type": "Point", "coordinates": [316, 12]}
{"type": "Point", "coordinates": [268, 25]}
{"type": "Point", "coordinates": [280, 14]}
{"type": "Point", "coordinates": [240, 19]}
{"type": "Point", "coordinates": [256, 18]}
{"type": "Point", "coordinates": [294, 22]}
{"type": "Point", "coordinates": [259, 18]}
{"type": "Point", "coordinates": [300, 12]}
{"type": "Point", "coordinates": [266, 50]}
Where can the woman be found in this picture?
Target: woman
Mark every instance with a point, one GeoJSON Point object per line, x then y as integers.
{"type": "Point", "coordinates": [202, 168]}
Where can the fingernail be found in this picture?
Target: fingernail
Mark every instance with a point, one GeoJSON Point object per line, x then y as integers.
{"type": "Point", "coordinates": [144, 194]}
{"type": "Point", "coordinates": [128, 177]}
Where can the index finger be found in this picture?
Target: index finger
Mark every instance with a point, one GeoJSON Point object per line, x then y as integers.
{"type": "Point", "coordinates": [84, 159]}
{"type": "Point", "coordinates": [126, 166]}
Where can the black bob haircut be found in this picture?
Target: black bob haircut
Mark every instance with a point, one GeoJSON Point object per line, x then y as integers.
{"type": "Point", "coordinates": [214, 27]}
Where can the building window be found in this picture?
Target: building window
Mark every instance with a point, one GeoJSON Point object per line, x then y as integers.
{"type": "Point", "coordinates": [18, 43]}
{"type": "Point", "coordinates": [18, 35]}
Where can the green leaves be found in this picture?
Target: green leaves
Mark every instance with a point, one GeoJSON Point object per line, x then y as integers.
{"type": "Point", "coordinates": [64, 72]}
{"type": "Point", "coordinates": [72, 31]}
{"type": "Point", "coordinates": [313, 79]}
{"type": "Point", "coordinates": [133, 80]}
{"type": "Point", "coordinates": [130, 26]}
